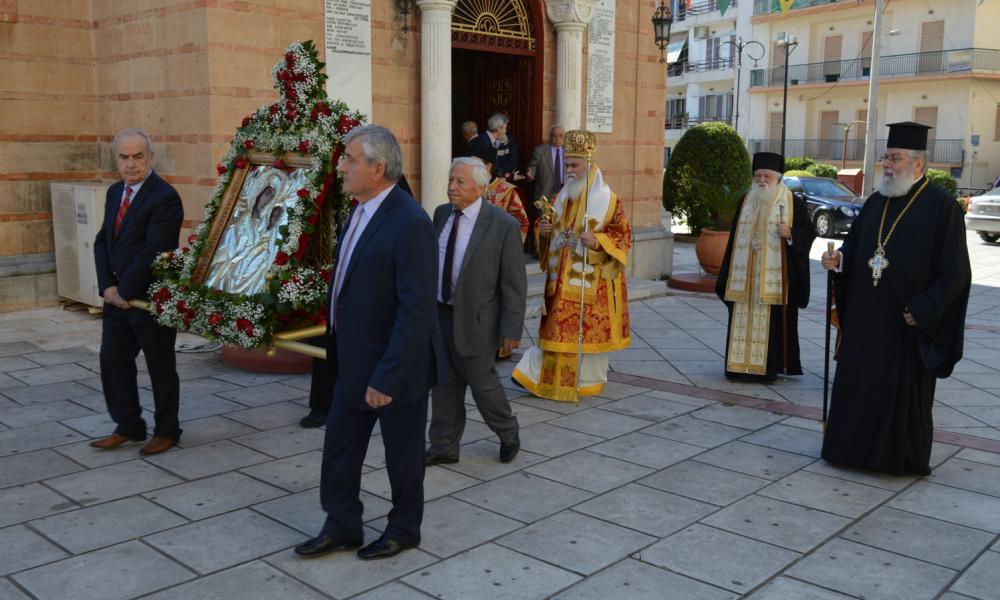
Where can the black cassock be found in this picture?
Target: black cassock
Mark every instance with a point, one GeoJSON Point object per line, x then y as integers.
{"type": "Point", "coordinates": [880, 411]}
{"type": "Point", "coordinates": [797, 267]}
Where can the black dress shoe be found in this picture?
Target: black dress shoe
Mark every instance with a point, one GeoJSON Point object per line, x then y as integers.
{"type": "Point", "coordinates": [324, 544]}
{"type": "Point", "coordinates": [313, 420]}
{"type": "Point", "coordinates": [437, 459]}
{"type": "Point", "coordinates": [383, 548]}
{"type": "Point", "coordinates": [509, 451]}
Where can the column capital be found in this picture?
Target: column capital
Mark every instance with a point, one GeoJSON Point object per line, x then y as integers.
{"type": "Point", "coordinates": [429, 5]}
{"type": "Point", "coordinates": [570, 14]}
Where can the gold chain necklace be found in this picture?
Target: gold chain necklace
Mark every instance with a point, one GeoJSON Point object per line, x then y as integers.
{"type": "Point", "coordinates": [879, 263]}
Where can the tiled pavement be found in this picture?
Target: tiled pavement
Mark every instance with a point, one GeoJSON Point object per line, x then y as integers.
{"type": "Point", "coordinates": [672, 484]}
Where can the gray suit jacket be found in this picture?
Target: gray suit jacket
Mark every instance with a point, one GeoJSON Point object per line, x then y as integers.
{"type": "Point", "coordinates": [492, 285]}
{"type": "Point", "coordinates": [546, 176]}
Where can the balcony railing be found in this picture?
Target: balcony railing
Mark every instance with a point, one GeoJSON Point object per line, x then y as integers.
{"type": "Point", "coordinates": [966, 60]}
{"type": "Point", "coordinates": [698, 8]}
{"type": "Point", "coordinates": [766, 7]}
{"type": "Point", "coordinates": [682, 122]}
{"type": "Point", "coordinates": [939, 151]}
{"type": "Point", "coordinates": [682, 66]}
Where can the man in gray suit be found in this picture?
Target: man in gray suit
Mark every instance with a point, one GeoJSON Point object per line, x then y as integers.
{"type": "Point", "coordinates": [481, 303]}
{"type": "Point", "coordinates": [546, 167]}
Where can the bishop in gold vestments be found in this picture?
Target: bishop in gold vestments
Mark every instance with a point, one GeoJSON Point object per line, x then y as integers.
{"type": "Point", "coordinates": [585, 215]}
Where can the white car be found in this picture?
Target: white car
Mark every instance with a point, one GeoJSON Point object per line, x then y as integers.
{"type": "Point", "coordinates": [983, 215]}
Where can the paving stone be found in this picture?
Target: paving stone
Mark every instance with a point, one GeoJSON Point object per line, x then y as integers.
{"type": "Point", "coordinates": [16, 348]}
{"type": "Point", "coordinates": [259, 395]}
{"type": "Point", "coordinates": [55, 374]}
{"type": "Point", "coordinates": [788, 438]}
{"type": "Point", "coordinates": [614, 390]}
{"type": "Point", "coordinates": [647, 450]}
{"type": "Point", "coordinates": [303, 512]}
{"type": "Point", "coordinates": [599, 422]}
{"type": "Point", "coordinates": [590, 471]}
{"type": "Point", "coordinates": [393, 591]}
{"type": "Point", "coordinates": [526, 415]}
{"type": "Point", "coordinates": [548, 440]}
{"type": "Point", "coordinates": [923, 538]}
{"type": "Point", "coordinates": [758, 461]}
{"type": "Point", "coordinates": [295, 473]}
{"type": "Point", "coordinates": [482, 461]}
{"type": "Point", "coordinates": [696, 432]}
{"type": "Point", "coordinates": [836, 496]}
{"type": "Point", "coordinates": [451, 526]}
{"type": "Point", "coordinates": [341, 574]}
{"type": "Point", "coordinates": [36, 437]}
{"type": "Point", "coordinates": [224, 541]}
{"type": "Point", "coordinates": [438, 482]}
{"type": "Point", "coordinates": [200, 406]}
{"type": "Point", "coordinates": [491, 572]}
{"type": "Point", "coordinates": [106, 524]}
{"type": "Point", "coordinates": [270, 416]}
{"type": "Point", "coordinates": [982, 580]}
{"type": "Point", "coordinates": [283, 442]}
{"type": "Point", "coordinates": [98, 425]}
{"type": "Point", "coordinates": [62, 356]}
{"type": "Point", "coordinates": [575, 541]}
{"type": "Point", "coordinates": [895, 483]}
{"type": "Point", "coordinates": [16, 363]}
{"type": "Point", "coordinates": [952, 505]}
{"type": "Point", "coordinates": [24, 549]}
{"type": "Point", "coordinates": [704, 482]}
{"type": "Point", "coordinates": [967, 475]}
{"type": "Point", "coordinates": [648, 407]}
{"type": "Point", "coordinates": [980, 456]}
{"type": "Point", "coordinates": [112, 482]}
{"type": "Point", "coordinates": [9, 592]}
{"type": "Point", "coordinates": [784, 588]}
{"type": "Point", "coordinates": [737, 416]}
{"type": "Point", "coordinates": [778, 523]}
{"type": "Point", "coordinates": [214, 495]}
{"type": "Point", "coordinates": [108, 574]}
{"type": "Point", "coordinates": [718, 557]}
{"type": "Point", "coordinates": [523, 496]}
{"type": "Point", "coordinates": [34, 466]}
{"type": "Point", "coordinates": [646, 510]}
{"type": "Point", "coordinates": [8, 383]}
{"type": "Point", "coordinates": [639, 581]}
{"type": "Point", "coordinates": [82, 453]}
{"type": "Point", "coordinates": [252, 581]}
{"type": "Point", "coordinates": [871, 573]}
{"type": "Point", "coordinates": [245, 378]}
{"type": "Point", "coordinates": [212, 429]}
{"type": "Point", "coordinates": [207, 459]}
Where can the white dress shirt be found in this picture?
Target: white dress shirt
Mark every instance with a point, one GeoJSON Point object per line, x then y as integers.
{"type": "Point", "coordinates": [465, 225]}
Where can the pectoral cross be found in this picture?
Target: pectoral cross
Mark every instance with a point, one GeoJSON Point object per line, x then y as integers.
{"type": "Point", "coordinates": [877, 264]}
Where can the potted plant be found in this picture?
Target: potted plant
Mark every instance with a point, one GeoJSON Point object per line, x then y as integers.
{"type": "Point", "coordinates": [721, 201]}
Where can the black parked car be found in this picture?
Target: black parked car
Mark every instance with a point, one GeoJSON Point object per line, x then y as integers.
{"type": "Point", "coordinates": [832, 205]}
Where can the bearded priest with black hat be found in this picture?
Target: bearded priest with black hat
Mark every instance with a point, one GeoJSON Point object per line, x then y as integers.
{"type": "Point", "coordinates": [902, 285]}
{"type": "Point", "coordinates": [764, 278]}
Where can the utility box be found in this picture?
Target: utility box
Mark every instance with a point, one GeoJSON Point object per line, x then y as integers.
{"type": "Point", "coordinates": [77, 215]}
{"type": "Point", "coordinates": [852, 178]}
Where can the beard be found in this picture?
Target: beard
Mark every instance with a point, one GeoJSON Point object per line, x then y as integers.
{"type": "Point", "coordinates": [574, 186]}
{"type": "Point", "coordinates": [763, 194]}
{"type": "Point", "coordinates": [893, 185]}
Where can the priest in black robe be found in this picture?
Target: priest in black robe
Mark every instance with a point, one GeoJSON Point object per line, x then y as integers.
{"type": "Point", "coordinates": [902, 285]}
{"type": "Point", "coordinates": [764, 279]}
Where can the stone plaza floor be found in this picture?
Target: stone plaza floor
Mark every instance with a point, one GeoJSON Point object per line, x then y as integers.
{"type": "Point", "coordinates": [673, 484]}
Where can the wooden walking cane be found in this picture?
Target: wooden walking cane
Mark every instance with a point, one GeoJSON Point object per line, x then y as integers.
{"type": "Point", "coordinates": [826, 345]}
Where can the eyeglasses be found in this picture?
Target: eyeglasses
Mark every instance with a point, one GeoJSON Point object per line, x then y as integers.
{"type": "Point", "coordinates": [893, 158]}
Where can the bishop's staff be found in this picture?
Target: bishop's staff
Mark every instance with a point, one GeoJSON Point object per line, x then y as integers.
{"type": "Point", "coordinates": [784, 298]}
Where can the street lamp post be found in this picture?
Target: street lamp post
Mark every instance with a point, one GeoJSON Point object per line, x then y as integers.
{"type": "Point", "coordinates": [847, 130]}
{"type": "Point", "coordinates": [786, 43]}
{"type": "Point", "coordinates": [739, 45]}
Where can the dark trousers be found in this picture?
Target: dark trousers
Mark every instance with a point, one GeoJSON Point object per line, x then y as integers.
{"type": "Point", "coordinates": [348, 430]}
{"type": "Point", "coordinates": [448, 399]}
{"type": "Point", "coordinates": [125, 332]}
{"type": "Point", "coordinates": [323, 376]}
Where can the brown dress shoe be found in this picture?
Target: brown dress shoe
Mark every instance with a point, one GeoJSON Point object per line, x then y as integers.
{"type": "Point", "coordinates": [113, 441]}
{"type": "Point", "coordinates": [157, 445]}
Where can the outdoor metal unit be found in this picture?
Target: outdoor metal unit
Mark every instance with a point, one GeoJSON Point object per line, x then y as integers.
{"type": "Point", "coordinates": [77, 215]}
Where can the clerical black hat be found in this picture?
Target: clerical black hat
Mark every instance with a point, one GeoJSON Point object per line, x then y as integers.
{"type": "Point", "coordinates": [908, 136]}
{"type": "Point", "coordinates": [481, 150]}
{"type": "Point", "coordinates": [769, 160]}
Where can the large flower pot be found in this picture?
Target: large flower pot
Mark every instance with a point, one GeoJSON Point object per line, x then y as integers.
{"type": "Point", "coordinates": [710, 248]}
{"type": "Point", "coordinates": [257, 360]}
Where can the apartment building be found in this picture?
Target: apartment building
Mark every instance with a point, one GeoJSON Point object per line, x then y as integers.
{"type": "Point", "coordinates": [939, 65]}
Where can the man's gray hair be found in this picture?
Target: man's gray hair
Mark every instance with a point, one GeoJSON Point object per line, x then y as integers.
{"type": "Point", "coordinates": [920, 155]}
{"type": "Point", "coordinates": [133, 132]}
{"type": "Point", "coordinates": [497, 121]}
{"type": "Point", "coordinates": [379, 145]}
{"type": "Point", "coordinates": [470, 128]}
{"type": "Point", "coordinates": [554, 127]}
{"type": "Point", "coordinates": [479, 173]}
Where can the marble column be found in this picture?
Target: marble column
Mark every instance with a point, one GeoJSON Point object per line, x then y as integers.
{"type": "Point", "coordinates": [570, 19]}
{"type": "Point", "coordinates": [435, 100]}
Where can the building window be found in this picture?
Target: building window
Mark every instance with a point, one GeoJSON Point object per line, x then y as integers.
{"type": "Point", "coordinates": [676, 113]}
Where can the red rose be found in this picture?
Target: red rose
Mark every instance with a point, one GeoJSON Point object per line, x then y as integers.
{"type": "Point", "coordinates": [182, 306]}
{"type": "Point", "coordinates": [245, 326]}
{"type": "Point", "coordinates": [304, 146]}
{"type": "Point", "coordinates": [291, 93]}
{"type": "Point", "coordinates": [221, 168]}
{"type": "Point", "coordinates": [185, 249]}
{"type": "Point", "coordinates": [312, 218]}
{"type": "Point", "coordinates": [290, 59]}
{"type": "Point", "coordinates": [248, 144]}
{"type": "Point", "coordinates": [291, 114]}
{"type": "Point", "coordinates": [214, 319]}
{"type": "Point", "coordinates": [278, 164]}
{"type": "Point", "coordinates": [273, 109]}
{"type": "Point", "coordinates": [343, 124]}
{"type": "Point", "coordinates": [303, 193]}
{"type": "Point", "coordinates": [192, 238]}
{"type": "Point", "coordinates": [246, 120]}
{"type": "Point", "coordinates": [281, 258]}
{"type": "Point", "coordinates": [241, 163]}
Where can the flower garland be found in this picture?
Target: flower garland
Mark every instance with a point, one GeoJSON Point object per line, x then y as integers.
{"type": "Point", "coordinates": [302, 121]}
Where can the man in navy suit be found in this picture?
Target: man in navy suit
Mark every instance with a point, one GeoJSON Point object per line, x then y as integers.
{"type": "Point", "coordinates": [142, 218]}
{"type": "Point", "coordinates": [386, 346]}
{"type": "Point", "coordinates": [496, 136]}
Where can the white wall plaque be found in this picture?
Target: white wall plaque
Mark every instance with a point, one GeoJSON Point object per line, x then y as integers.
{"type": "Point", "coordinates": [601, 68]}
{"type": "Point", "coordinates": [349, 53]}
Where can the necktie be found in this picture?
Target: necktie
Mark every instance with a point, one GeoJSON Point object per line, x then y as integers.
{"type": "Point", "coordinates": [449, 259]}
{"type": "Point", "coordinates": [345, 258]}
{"type": "Point", "coordinates": [559, 165]}
{"type": "Point", "coordinates": [123, 208]}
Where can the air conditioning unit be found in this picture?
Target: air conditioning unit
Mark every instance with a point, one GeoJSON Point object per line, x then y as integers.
{"type": "Point", "coordinates": [701, 32]}
{"type": "Point", "coordinates": [77, 215]}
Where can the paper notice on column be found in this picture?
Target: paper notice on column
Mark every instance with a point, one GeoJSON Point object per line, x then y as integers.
{"type": "Point", "coordinates": [349, 53]}
{"type": "Point", "coordinates": [601, 68]}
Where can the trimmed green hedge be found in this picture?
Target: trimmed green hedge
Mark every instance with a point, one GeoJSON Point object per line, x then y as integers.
{"type": "Point", "coordinates": [943, 179]}
{"type": "Point", "coordinates": [798, 163]}
{"type": "Point", "coordinates": [798, 173]}
{"type": "Point", "coordinates": [823, 170]}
